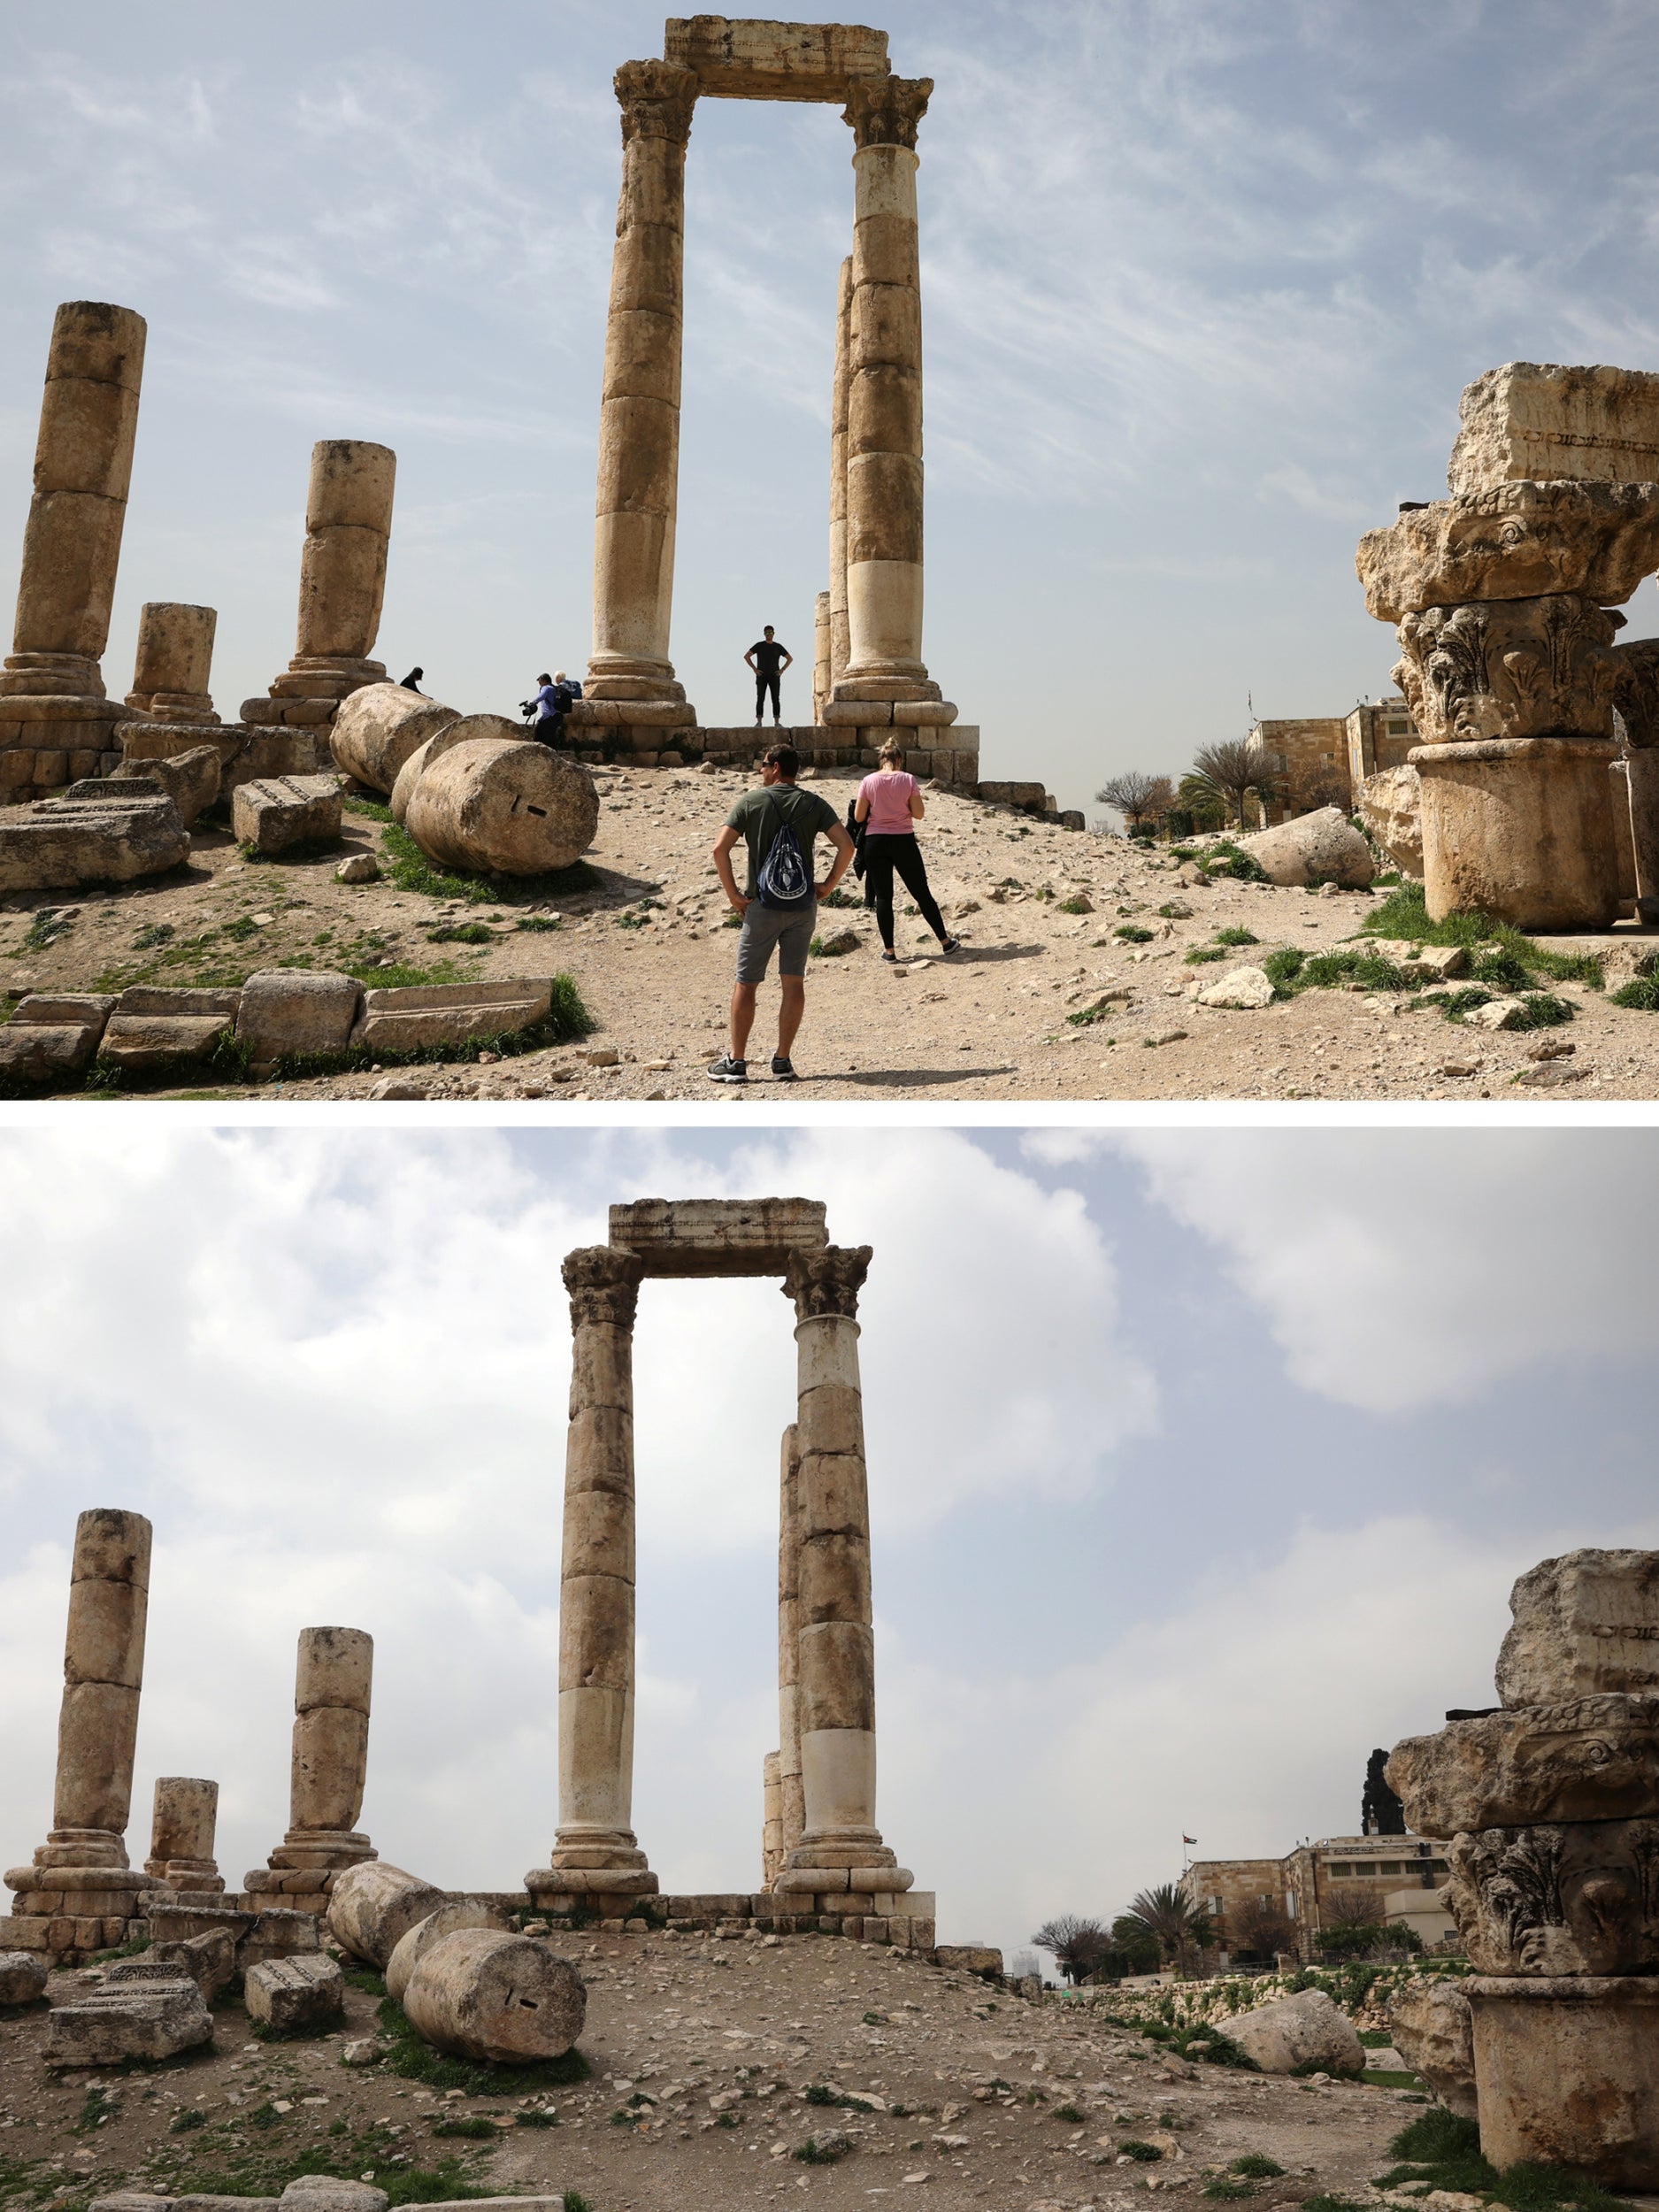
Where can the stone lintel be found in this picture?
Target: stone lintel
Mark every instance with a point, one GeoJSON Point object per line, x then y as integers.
{"type": "Point", "coordinates": [716, 1236]}
{"type": "Point", "coordinates": [749, 58]}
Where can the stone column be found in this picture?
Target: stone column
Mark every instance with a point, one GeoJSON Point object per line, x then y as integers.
{"type": "Point", "coordinates": [174, 663]}
{"type": "Point", "coordinates": [840, 1850]}
{"type": "Point", "coordinates": [820, 654]}
{"type": "Point", "coordinates": [639, 416]}
{"type": "Point", "coordinates": [596, 1853]}
{"type": "Point", "coordinates": [181, 1834]}
{"type": "Point", "coordinates": [838, 640]}
{"type": "Point", "coordinates": [791, 1815]}
{"type": "Point", "coordinates": [1635, 694]}
{"type": "Point", "coordinates": [342, 582]}
{"type": "Point", "coordinates": [53, 709]}
{"type": "Point", "coordinates": [80, 1887]}
{"type": "Point", "coordinates": [328, 1767]}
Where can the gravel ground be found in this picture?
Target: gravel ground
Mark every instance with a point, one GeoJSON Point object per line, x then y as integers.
{"type": "Point", "coordinates": [989, 1023]}
{"type": "Point", "coordinates": [713, 2044]}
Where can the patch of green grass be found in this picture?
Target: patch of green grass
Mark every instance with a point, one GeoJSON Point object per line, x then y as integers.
{"type": "Point", "coordinates": [821, 951]}
{"type": "Point", "coordinates": [461, 933]}
{"type": "Point", "coordinates": [183, 2122]}
{"type": "Point", "coordinates": [819, 2092]}
{"type": "Point", "coordinates": [1069, 2113]}
{"type": "Point", "coordinates": [1377, 2038]}
{"type": "Point", "coordinates": [1087, 1015]}
{"type": "Point", "coordinates": [1642, 992]}
{"type": "Point", "coordinates": [47, 928]}
{"type": "Point", "coordinates": [1228, 2188]}
{"type": "Point", "coordinates": [265, 2171]}
{"type": "Point", "coordinates": [1075, 906]}
{"type": "Point", "coordinates": [536, 924]}
{"type": "Point", "coordinates": [1404, 914]}
{"type": "Point", "coordinates": [1225, 858]}
{"type": "Point", "coordinates": [157, 934]}
{"type": "Point", "coordinates": [408, 869]}
{"type": "Point", "coordinates": [1256, 2166]}
{"type": "Point", "coordinates": [535, 2119]}
{"type": "Point", "coordinates": [1237, 936]}
{"type": "Point", "coordinates": [415, 2061]}
{"type": "Point", "coordinates": [1200, 954]}
{"type": "Point", "coordinates": [475, 2126]}
{"type": "Point", "coordinates": [366, 1978]}
{"type": "Point", "coordinates": [1131, 933]}
{"type": "Point", "coordinates": [1143, 2154]}
{"type": "Point", "coordinates": [1443, 2151]}
{"type": "Point", "coordinates": [811, 2153]}
{"type": "Point", "coordinates": [1387, 2078]}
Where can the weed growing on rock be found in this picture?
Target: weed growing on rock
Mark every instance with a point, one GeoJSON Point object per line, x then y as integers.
{"type": "Point", "coordinates": [1444, 2151]}
{"type": "Point", "coordinates": [1404, 914]}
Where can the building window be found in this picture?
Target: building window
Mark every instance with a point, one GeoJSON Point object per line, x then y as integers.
{"type": "Point", "coordinates": [1337, 1873]}
{"type": "Point", "coordinates": [1389, 1866]}
{"type": "Point", "coordinates": [1363, 1866]}
{"type": "Point", "coordinates": [1398, 729]}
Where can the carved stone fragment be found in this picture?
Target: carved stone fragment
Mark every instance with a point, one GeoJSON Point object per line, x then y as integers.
{"type": "Point", "coordinates": [1516, 540]}
{"type": "Point", "coordinates": [1542, 419]}
{"type": "Point", "coordinates": [1584, 1624]}
{"type": "Point", "coordinates": [1596, 1758]}
{"type": "Point", "coordinates": [1430, 2023]}
{"type": "Point", "coordinates": [1577, 1897]}
{"type": "Point", "coordinates": [1510, 668]}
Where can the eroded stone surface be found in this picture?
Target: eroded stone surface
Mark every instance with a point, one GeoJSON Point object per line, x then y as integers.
{"type": "Point", "coordinates": [1510, 668]}
{"type": "Point", "coordinates": [1578, 1897]}
{"type": "Point", "coordinates": [276, 813]}
{"type": "Point", "coordinates": [58, 843]}
{"type": "Point", "coordinates": [22, 1978]}
{"type": "Point", "coordinates": [1596, 1758]}
{"type": "Point", "coordinates": [153, 2021]}
{"type": "Point", "coordinates": [1430, 2023]}
{"type": "Point", "coordinates": [1293, 2033]}
{"type": "Point", "coordinates": [1321, 847]}
{"type": "Point", "coordinates": [372, 1907]}
{"type": "Point", "coordinates": [515, 809]}
{"type": "Point", "coordinates": [1543, 419]}
{"type": "Point", "coordinates": [1584, 1623]}
{"type": "Point", "coordinates": [1513, 540]}
{"type": "Point", "coordinates": [286, 1010]}
{"type": "Point", "coordinates": [1565, 2073]}
{"type": "Point", "coordinates": [484, 1994]}
{"type": "Point", "coordinates": [292, 1992]}
{"type": "Point", "coordinates": [1391, 807]}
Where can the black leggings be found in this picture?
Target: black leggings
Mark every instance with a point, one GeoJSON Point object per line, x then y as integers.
{"type": "Point", "coordinates": [762, 684]}
{"type": "Point", "coordinates": [899, 854]}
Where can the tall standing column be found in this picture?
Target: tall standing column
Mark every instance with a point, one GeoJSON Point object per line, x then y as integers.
{"type": "Point", "coordinates": [791, 1815]}
{"type": "Point", "coordinates": [596, 1853]}
{"type": "Point", "coordinates": [840, 1849]}
{"type": "Point", "coordinates": [174, 663]}
{"type": "Point", "coordinates": [79, 1886]}
{"type": "Point", "coordinates": [639, 416]}
{"type": "Point", "coordinates": [342, 584]}
{"type": "Point", "coordinates": [55, 717]}
{"type": "Point", "coordinates": [838, 638]}
{"type": "Point", "coordinates": [328, 1768]}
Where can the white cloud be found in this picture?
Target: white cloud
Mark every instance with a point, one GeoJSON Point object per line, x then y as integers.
{"type": "Point", "coordinates": [1398, 1273]}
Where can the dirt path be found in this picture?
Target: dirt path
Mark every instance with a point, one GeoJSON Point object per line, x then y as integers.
{"type": "Point", "coordinates": [712, 2045]}
{"type": "Point", "coordinates": [989, 1023]}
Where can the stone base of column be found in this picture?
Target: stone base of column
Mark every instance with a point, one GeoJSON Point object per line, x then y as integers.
{"type": "Point", "coordinates": [188, 1877]}
{"type": "Point", "coordinates": [49, 738]}
{"type": "Point", "coordinates": [308, 694]}
{"type": "Point", "coordinates": [948, 755]}
{"type": "Point", "coordinates": [1565, 2073]}
{"type": "Point", "coordinates": [69, 1908]}
{"type": "Point", "coordinates": [300, 1872]}
{"type": "Point", "coordinates": [1520, 828]}
{"type": "Point", "coordinates": [606, 1863]}
{"type": "Point", "coordinates": [173, 707]}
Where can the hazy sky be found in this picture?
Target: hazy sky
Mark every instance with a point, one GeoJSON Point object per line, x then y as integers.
{"type": "Point", "coordinates": [1201, 284]}
{"type": "Point", "coordinates": [1200, 1464]}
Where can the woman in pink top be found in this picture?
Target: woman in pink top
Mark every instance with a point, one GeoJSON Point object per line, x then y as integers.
{"type": "Point", "coordinates": [889, 803]}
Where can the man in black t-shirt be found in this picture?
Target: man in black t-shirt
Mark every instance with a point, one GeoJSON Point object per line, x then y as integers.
{"type": "Point", "coordinates": [768, 659]}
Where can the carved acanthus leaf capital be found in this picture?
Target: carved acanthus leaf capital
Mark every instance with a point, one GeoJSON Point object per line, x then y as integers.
{"type": "Point", "coordinates": [604, 1284]}
{"type": "Point", "coordinates": [884, 110]}
{"type": "Point", "coordinates": [657, 99]}
{"type": "Point", "coordinates": [827, 1282]}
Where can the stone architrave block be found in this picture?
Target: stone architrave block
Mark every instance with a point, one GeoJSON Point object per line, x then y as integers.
{"type": "Point", "coordinates": [1430, 2023]}
{"type": "Point", "coordinates": [1575, 1897]}
{"type": "Point", "coordinates": [1027, 796]}
{"type": "Point", "coordinates": [22, 1978]}
{"type": "Point", "coordinates": [154, 2021]}
{"type": "Point", "coordinates": [969, 1958]}
{"type": "Point", "coordinates": [287, 1010]}
{"type": "Point", "coordinates": [36, 1054]}
{"type": "Point", "coordinates": [716, 1236]}
{"type": "Point", "coordinates": [1595, 1759]}
{"type": "Point", "coordinates": [1515, 541]}
{"type": "Point", "coordinates": [274, 813]}
{"type": "Point", "coordinates": [278, 1932]}
{"type": "Point", "coordinates": [190, 780]}
{"type": "Point", "coordinates": [160, 1044]}
{"type": "Point", "coordinates": [61, 844]}
{"type": "Point", "coordinates": [1290, 2035]}
{"type": "Point", "coordinates": [403, 1020]}
{"type": "Point", "coordinates": [754, 60]}
{"type": "Point", "coordinates": [209, 1959]}
{"type": "Point", "coordinates": [291, 1993]}
{"type": "Point", "coordinates": [1586, 1622]}
{"type": "Point", "coordinates": [1543, 420]}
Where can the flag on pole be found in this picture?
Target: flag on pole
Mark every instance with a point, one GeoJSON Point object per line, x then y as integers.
{"type": "Point", "coordinates": [1189, 1838]}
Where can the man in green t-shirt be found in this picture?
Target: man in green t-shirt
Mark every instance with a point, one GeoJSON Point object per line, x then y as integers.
{"type": "Point", "coordinates": [758, 817]}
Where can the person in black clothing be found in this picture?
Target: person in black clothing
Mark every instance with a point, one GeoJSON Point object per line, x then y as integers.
{"type": "Point", "coordinates": [411, 682]}
{"type": "Point", "coordinates": [768, 659]}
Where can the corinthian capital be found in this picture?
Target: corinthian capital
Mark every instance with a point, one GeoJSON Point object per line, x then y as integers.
{"type": "Point", "coordinates": [827, 1282]}
{"type": "Point", "coordinates": [884, 110]}
{"type": "Point", "coordinates": [656, 98]}
{"type": "Point", "coordinates": [604, 1284]}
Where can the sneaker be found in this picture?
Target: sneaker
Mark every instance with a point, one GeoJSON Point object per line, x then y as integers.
{"type": "Point", "coordinates": [783, 1069]}
{"type": "Point", "coordinates": [951, 944]}
{"type": "Point", "coordinates": [891, 957]}
{"type": "Point", "coordinates": [726, 1070]}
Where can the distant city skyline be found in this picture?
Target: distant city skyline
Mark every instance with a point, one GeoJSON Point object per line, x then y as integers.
{"type": "Point", "coordinates": [1201, 287]}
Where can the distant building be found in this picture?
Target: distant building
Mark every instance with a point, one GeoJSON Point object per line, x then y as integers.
{"type": "Point", "coordinates": [1388, 1877]}
{"type": "Point", "coordinates": [1321, 760]}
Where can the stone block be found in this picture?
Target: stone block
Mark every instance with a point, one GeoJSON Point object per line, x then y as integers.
{"type": "Point", "coordinates": [160, 1044]}
{"type": "Point", "coordinates": [969, 1958]}
{"type": "Point", "coordinates": [1521, 828]}
{"type": "Point", "coordinates": [1585, 1623]}
{"type": "Point", "coordinates": [59, 844]}
{"type": "Point", "coordinates": [404, 1020]}
{"type": "Point", "coordinates": [291, 1993]}
{"type": "Point", "coordinates": [1565, 2073]}
{"type": "Point", "coordinates": [760, 60]}
{"type": "Point", "coordinates": [272, 814]}
{"type": "Point", "coordinates": [1030, 797]}
{"type": "Point", "coordinates": [25, 1932]}
{"type": "Point", "coordinates": [210, 1960]}
{"type": "Point", "coordinates": [278, 1932]}
{"type": "Point", "coordinates": [287, 1010]}
{"type": "Point", "coordinates": [1390, 804]}
{"type": "Point", "coordinates": [1323, 847]}
{"type": "Point", "coordinates": [40, 1056]}
{"type": "Point", "coordinates": [322, 2192]}
{"type": "Point", "coordinates": [22, 1975]}
{"type": "Point", "coordinates": [153, 2022]}
{"type": "Point", "coordinates": [1576, 1897]}
{"type": "Point", "coordinates": [190, 780]}
{"type": "Point", "coordinates": [1544, 420]}
{"type": "Point", "coordinates": [716, 1236]}
{"type": "Point", "coordinates": [1513, 541]}
{"type": "Point", "coordinates": [1596, 1758]}
{"type": "Point", "coordinates": [1291, 2035]}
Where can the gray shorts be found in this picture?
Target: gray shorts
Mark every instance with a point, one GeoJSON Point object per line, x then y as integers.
{"type": "Point", "coordinates": [765, 927]}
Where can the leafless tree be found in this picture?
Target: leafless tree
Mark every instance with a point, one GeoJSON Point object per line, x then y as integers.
{"type": "Point", "coordinates": [1232, 769]}
{"type": "Point", "coordinates": [1260, 1928]}
{"type": "Point", "coordinates": [1078, 1945]}
{"type": "Point", "coordinates": [1139, 798]}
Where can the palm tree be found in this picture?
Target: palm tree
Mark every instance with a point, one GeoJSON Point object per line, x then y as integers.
{"type": "Point", "coordinates": [1174, 1925]}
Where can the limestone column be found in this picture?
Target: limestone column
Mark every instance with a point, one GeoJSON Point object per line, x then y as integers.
{"type": "Point", "coordinates": [181, 1834]}
{"type": "Point", "coordinates": [596, 1853]}
{"type": "Point", "coordinates": [884, 398]}
{"type": "Point", "coordinates": [840, 1849]}
{"type": "Point", "coordinates": [791, 1815]}
{"type": "Point", "coordinates": [342, 582]}
{"type": "Point", "coordinates": [79, 1886]}
{"type": "Point", "coordinates": [52, 700]}
{"type": "Point", "coordinates": [174, 663]}
{"type": "Point", "coordinates": [820, 654]}
{"type": "Point", "coordinates": [639, 416]}
{"type": "Point", "coordinates": [838, 640]}
{"type": "Point", "coordinates": [328, 1768]}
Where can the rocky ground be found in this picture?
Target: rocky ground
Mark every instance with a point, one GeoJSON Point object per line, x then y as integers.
{"type": "Point", "coordinates": [702, 2053]}
{"type": "Point", "coordinates": [647, 946]}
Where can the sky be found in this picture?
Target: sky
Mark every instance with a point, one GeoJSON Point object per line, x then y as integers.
{"type": "Point", "coordinates": [1201, 1462]}
{"type": "Point", "coordinates": [1201, 284]}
